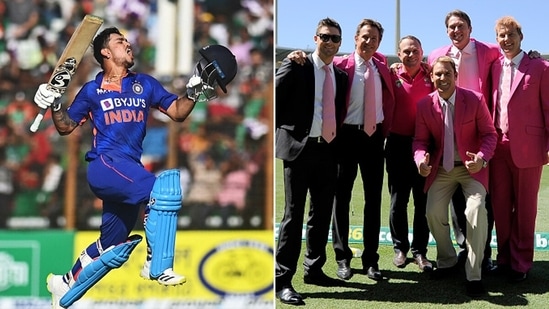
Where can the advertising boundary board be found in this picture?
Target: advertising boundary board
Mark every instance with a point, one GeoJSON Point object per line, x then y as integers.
{"type": "Point", "coordinates": [541, 239]}
{"type": "Point", "coordinates": [224, 269]}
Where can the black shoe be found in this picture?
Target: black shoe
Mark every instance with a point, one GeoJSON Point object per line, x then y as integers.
{"type": "Point", "coordinates": [462, 257]}
{"type": "Point", "coordinates": [289, 296]}
{"type": "Point", "coordinates": [487, 265]}
{"type": "Point", "coordinates": [344, 270]}
{"type": "Point", "coordinates": [441, 273]}
{"type": "Point", "coordinates": [475, 288]}
{"type": "Point", "coordinates": [400, 259]}
{"type": "Point", "coordinates": [517, 276]}
{"type": "Point", "coordinates": [499, 270]}
{"type": "Point", "coordinates": [321, 279]}
{"type": "Point", "coordinates": [374, 273]}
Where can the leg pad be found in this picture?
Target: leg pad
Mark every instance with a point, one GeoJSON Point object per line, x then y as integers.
{"type": "Point", "coordinates": [113, 257]}
{"type": "Point", "coordinates": [161, 224]}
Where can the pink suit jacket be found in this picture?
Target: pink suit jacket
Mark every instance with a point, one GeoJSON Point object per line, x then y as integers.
{"type": "Point", "coordinates": [473, 128]}
{"type": "Point", "coordinates": [528, 110]}
{"type": "Point", "coordinates": [347, 63]}
{"type": "Point", "coordinates": [486, 54]}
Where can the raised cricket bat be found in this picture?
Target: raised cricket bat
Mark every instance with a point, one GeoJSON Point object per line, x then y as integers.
{"type": "Point", "coordinates": [70, 59]}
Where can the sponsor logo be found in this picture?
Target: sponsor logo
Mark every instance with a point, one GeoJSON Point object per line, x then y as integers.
{"type": "Point", "coordinates": [107, 104]}
{"type": "Point", "coordinates": [12, 272]}
{"type": "Point", "coordinates": [238, 267]}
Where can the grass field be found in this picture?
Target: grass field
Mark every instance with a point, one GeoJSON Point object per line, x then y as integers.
{"type": "Point", "coordinates": [408, 287]}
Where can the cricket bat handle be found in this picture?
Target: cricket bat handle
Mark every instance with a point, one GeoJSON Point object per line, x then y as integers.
{"type": "Point", "coordinates": [37, 120]}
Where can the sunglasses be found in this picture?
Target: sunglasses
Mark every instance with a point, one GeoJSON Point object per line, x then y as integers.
{"type": "Point", "coordinates": [326, 37]}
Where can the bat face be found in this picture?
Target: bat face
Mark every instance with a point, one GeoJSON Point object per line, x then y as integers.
{"type": "Point", "coordinates": [61, 78]}
{"type": "Point", "coordinates": [70, 58]}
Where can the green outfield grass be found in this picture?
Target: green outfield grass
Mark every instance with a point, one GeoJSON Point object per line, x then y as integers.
{"type": "Point", "coordinates": [409, 288]}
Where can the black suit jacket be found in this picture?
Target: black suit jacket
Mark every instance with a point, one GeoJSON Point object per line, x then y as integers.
{"type": "Point", "coordinates": [295, 90]}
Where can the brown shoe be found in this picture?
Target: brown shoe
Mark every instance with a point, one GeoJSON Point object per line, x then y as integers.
{"type": "Point", "coordinates": [400, 259]}
{"type": "Point", "coordinates": [423, 263]}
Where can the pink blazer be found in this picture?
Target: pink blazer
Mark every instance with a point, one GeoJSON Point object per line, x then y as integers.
{"type": "Point", "coordinates": [528, 110]}
{"type": "Point", "coordinates": [347, 63]}
{"type": "Point", "coordinates": [473, 127]}
{"type": "Point", "coordinates": [487, 53]}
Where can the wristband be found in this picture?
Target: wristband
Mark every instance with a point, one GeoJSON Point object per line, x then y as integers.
{"type": "Point", "coordinates": [55, 107]}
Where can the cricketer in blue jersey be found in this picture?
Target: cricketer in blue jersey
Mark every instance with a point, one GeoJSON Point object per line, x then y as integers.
{"type": "Point", "coordinates": [117, 103]}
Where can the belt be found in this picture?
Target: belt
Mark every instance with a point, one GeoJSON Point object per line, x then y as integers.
{"type": "Point", "coordinates": [354, 126]}
{"type": "Point", "coordinates": [358, 126]}
{"type": "Point", "coordinates": [316, 140]}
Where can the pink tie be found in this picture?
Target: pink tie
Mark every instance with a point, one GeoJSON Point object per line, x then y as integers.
{"type": "Point", "coordinates": [328, 107]}
{"type": "Point", "coordinates": [505, 96]}
{"type": "Point", "coordinates": [448, 155]}
{"type": "Point", "coordinates": [369, 100]}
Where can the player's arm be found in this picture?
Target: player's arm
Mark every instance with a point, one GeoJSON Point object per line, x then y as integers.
{"type": "Point", "coordinates": [180, 108]}
{"type": "Point", "coordinates": [63, 123]}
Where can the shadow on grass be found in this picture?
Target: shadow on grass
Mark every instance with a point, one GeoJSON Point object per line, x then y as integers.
{"type": "Point", "coordinates": [405, 286]}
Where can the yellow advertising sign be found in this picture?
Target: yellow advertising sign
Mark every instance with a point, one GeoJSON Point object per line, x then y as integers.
{"type": "Point", "coordinates": [217, 265]}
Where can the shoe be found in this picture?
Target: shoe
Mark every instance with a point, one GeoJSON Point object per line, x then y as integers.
{"type": "Point", "coordinates": [400, 259]}
{"type": "Point", "coordinates": [288, 295]}
{"type": "Point", "coordinates": [344, 270]}
{"type": "Point", "coordinates": [487, 265]}
{"type": "Point", "coordinates": [441, 273]}
{"type": "Point", "coordinates": [423, 263]}
{"type": "Point", "coordinates": [499, 270]}
{"type": "Point", "coordinates": [58, 288]}
{"type": "Point", "coordinates": [320, 278]}
{"type": "Point", "coordinates": [168, 276]}
{"type": "Point", "coordinates": [517, 276]}
{"type": "Point", "coordinates": [474, 288]}
{"type": "Point", "coordinates": [374, 273]}
{"type": "Point", "coordinates": [462, 257]}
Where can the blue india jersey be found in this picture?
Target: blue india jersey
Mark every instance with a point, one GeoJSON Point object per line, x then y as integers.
{"type": "Point", "coordinates": [119, 119]}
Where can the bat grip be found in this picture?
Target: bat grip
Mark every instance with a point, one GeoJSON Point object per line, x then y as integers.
{"type": "Point", "coordinates": [38, 119]}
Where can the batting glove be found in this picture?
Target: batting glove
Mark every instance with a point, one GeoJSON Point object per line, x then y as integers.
{"type": "Point", "coordinates": [198, 89]}
{"type": "Point", "coordinates": [45, 97]}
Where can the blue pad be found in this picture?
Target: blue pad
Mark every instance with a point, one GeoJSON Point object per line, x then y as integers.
{"type": "Point", "coordinates": [97, 269]}
{"type": "Point", "coordinates": [161, 224]}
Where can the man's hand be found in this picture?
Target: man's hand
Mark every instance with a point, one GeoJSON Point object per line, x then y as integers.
{"type": "Point", "coordinates": [297, 56]}
{"type": "Point", "coordinates": [395, 67]}
{"type": "Point", "coordinates": [533, 54]}
{"type": "Point", "coordinates": [475, 164]}
{"type": "Point", "coordinates": [45, 98]}
{"type": "Point", "coordinates": [196, 87]}
{"type": "Point", "coordinates": [424, 168]}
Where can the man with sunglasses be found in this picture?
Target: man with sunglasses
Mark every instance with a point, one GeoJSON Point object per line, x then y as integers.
{"type": "Point", "coordinates": [310, 104]}
{"type": "Point", "coordinates": [361, 146]}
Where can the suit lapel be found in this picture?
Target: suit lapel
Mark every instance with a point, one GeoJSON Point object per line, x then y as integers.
{"type": "Point", "coordinates": [438, 115]}
{"type": "Point", "coordinates": [496, 81]}
{"type": "Point", "coordinates": [482, 67]}
{"type": "Point", "coordinates": [460, 107]}
{"type": "Point", "coordinates": [519, 73]}
{"type": "Point", "coordinates": [385, 74]}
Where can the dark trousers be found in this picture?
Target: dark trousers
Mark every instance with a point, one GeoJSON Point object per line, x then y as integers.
{"type": "Point", "coordinates": [403, 178]}
{"type": "Point", "coordinates": [313, 172]}
{"type": "Point", "coordinates": [355, 150]}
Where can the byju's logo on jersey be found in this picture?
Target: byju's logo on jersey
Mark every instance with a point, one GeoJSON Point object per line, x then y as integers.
{"type": "Point", "coordinates": [107, 104]}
